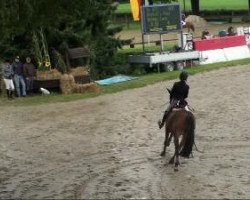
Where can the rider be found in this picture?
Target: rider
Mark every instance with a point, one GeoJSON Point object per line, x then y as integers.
{"type": "Point", "coordinates": [178, 94]}
{"type": "Point", "coordinates": [183, 19]}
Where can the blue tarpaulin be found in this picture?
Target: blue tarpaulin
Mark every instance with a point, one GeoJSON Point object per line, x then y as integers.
{"type": "Point", "coordinates": [115, 79]}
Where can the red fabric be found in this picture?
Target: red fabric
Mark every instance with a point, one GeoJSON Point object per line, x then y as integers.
{"type": "Point", "coordinates": [219, 43]}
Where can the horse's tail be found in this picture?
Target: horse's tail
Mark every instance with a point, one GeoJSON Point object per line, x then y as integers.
{"type": "Point", "coordinates": [190, 127]}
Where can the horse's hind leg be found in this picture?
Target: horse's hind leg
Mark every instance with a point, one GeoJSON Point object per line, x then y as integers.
{"type": "Point", "coordinates": [165, 143]}
{"type": "Point", "coordinates": [177, 162]}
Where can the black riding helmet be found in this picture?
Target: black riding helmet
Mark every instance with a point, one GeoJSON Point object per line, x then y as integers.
{"type": "Point", "coordinates": [183, 76]}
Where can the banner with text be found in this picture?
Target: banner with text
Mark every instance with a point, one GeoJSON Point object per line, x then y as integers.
{"type": "Point", "coordinates": [161, 18]}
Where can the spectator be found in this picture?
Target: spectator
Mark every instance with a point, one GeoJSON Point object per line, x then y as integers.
{"type": "Point", "coordinates": [18, 77]}
{"type": "Point", "coordinates": [7, 73]}
{"type": "Point", "coordinates": [29, 71]}
{"type": "Point", "coordinates": [183, 19]}
{"type": "Point", "coordinates": [230, 31]}
{"type": "Point", "coordinates": [206, 35]}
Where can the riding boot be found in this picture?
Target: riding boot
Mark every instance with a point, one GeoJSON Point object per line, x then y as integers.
{"type": "Point", "coordinates": [11, 94]}
{"type": "Point", "coordinates": [162, 122]}
{"type": "Point", "coordinates": [8, 94]}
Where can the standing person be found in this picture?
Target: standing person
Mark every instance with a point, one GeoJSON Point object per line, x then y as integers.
{"type": "Point", "coordinates": [29, 71]}
{"type": "Point", "coordinates": [178, 94]}
{"type": "Point", "coordinates": [230, 31]}
{"type": "Point", "coordinates": [183, 19]}
{"type": "Point", "coordinates": [8, 74]}
{"type": "Point", "coordinates": [18, 77]}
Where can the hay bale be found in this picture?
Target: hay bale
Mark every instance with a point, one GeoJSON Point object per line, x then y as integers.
{"type": "Point", "coordinates": [48, 75]}
{"type": "Point", "coordinates": [79, 71]}
{"type": "Point", "coordinates": [89, 87]}
{"type": "Point", "coordinates": [67, 84]}
{"type": "Point", "coordinates": [197, 21]}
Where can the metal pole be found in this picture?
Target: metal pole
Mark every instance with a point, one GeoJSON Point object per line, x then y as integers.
{"type": "Point", "coordinates": [148, 38]}
{"type": "Point", "coordinates": [182, 42]}
{"type": "Point", "coordinates": [142, 33]}
{"type": "Point", "coordinates": [143, 45]}
{"type": "Point", "coordinates": [161, 42]}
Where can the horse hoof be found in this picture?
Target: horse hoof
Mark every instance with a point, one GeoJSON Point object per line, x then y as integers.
{"type": "Point", "coordinates": [163, 153]}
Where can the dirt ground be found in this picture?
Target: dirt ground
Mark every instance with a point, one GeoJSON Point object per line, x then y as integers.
{"type": "Point", "coordinates": [109, 146]}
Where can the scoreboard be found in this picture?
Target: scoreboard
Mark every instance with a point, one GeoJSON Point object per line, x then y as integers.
{"type": "Point", "coordinates": [161, 18]}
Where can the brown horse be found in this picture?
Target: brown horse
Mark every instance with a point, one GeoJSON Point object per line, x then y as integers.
{"type": "Point", "coordinates": [180, 124]}
{"type": "Point", "coordinates": [189, 26]}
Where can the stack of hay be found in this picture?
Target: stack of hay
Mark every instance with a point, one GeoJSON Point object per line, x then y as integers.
{"type": "Point", "coordinates": [67, 84]}
{"type": "Point", "coordinates": [88, 87]}
{"type": "Point", "coordinates": [48, 75]}
{"type": "Point", "coordinates": [81, 88]}
{"type": "Point", "coordinates": [67, 81]}
{"type": "Point", "coordinates": [198, 21]}
{"type": "Point", "coordinates": [79, 71]}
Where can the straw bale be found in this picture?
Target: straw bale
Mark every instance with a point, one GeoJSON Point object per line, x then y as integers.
{"type": "Point", "coordinates": [197, 21]}
{"type": "Point", "coordinates": [79, 71]}
{"type": "Point", "coordinates": [48, 75]}
{"type": "Point", "coordinates": [67, 84]}
{"type": "Point", "coordinates": [89, 87]}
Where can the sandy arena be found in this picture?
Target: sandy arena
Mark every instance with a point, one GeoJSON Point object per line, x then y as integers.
{"type": "Point", "coordinates": [109, 146]}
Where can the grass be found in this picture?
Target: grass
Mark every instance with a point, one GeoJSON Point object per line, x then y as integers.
{"type": "Point", "coordinates": [142, 81]}
{"type": "Point", "coordinates": [204, 5]}
{"type": "Point", "coordinates": [167, 46]}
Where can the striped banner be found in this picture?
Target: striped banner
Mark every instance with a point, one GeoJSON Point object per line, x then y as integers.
{"type": "Point", "coordinates": [135, 8]}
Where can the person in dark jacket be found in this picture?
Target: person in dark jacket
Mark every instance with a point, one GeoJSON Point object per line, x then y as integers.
{"type": "Point", "coordinates": [7, 73]}
{"type": "Point", "coordinates": [29, 71]}
{"type": "Point", "coordinates": [230, 31]}
{"type": "Point", "coordinates": [178, 95]}
{"type": "Point", "coordinates": [18, 77]}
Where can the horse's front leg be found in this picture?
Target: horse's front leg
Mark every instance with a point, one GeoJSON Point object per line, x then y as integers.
{"type": "Point", "coordinates": [169, 139]}
{"type": "Point", "coordinates": [165, 143]}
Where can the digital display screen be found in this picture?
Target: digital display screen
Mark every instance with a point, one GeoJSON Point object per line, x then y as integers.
{"type": "Point", "coordinates": [162, 18]}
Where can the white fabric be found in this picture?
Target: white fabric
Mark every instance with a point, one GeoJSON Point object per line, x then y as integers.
{"type": "Point", "coordinates": [9, 84]}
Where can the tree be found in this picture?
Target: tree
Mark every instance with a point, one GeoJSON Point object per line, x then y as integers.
{"type": "Point", "coordinates": [195, 4]}
{"type": "Point", "coordinates": [65, 23]}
